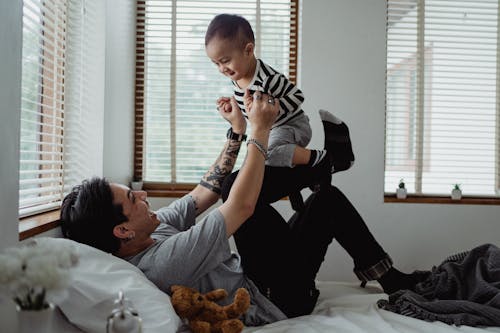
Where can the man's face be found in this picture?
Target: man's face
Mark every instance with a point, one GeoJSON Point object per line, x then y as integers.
{"type": "Point", "coordinates": [141, 219]}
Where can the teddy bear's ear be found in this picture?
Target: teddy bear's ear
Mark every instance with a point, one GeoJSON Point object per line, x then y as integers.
{"type": "Point", "coordinates": [175, 287]}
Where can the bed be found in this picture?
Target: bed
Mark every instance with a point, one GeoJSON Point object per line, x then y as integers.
{"type": "Point", "coordinates": [342, 306]}
{"type": "Point", "coordinates": [345, 307]}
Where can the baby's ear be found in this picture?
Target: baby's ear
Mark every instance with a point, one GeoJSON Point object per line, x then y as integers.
{"type": "Point", "coordinates": [249, 48]}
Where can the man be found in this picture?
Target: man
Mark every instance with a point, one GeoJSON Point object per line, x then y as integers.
{"type": "Point", "coordinates": [171, 249]}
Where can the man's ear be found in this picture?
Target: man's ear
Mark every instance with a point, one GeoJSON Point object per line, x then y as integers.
{"type": "Point", "coordinates": [120, 231]}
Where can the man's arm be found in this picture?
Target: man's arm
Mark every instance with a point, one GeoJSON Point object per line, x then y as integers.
{"type": "Point", "coordinates": [208, 191]}
{"type": "Point", "coordinates": [243, 196]}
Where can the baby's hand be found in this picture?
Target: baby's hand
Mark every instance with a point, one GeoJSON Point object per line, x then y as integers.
{"type": "Point", "coordinates": [232, 113]}
{"type": "Point", "coordinates": [224, 104]}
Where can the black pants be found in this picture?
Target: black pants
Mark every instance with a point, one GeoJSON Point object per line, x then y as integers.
{"type": "Point", "coordinates": [282, 258]}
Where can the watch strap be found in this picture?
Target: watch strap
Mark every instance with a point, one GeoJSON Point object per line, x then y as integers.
{"type": "Point", "coordinates": [234, 136]}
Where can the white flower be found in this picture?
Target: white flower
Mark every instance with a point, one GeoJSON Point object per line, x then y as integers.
{"type": "Point", "coordinates": [36, 274]}
{"type": "Point", "coordinates": [10, 266]}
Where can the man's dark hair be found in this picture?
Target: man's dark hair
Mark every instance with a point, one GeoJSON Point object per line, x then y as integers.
{"type": "Point", "coordinates": [230, 26]}
{"type": "Point", "coordinates": [88, 215]}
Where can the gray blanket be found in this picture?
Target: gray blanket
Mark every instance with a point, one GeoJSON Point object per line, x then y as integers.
{"type": "Point", "coordinates": [463, 290]}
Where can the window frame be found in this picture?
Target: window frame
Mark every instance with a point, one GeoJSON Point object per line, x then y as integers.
{"type": "Point", "coordinates": [77, 73]}
{"type": "Point", "coordinates": [425, 100]}
{"type": "Point", "coordinates": [160, 189]}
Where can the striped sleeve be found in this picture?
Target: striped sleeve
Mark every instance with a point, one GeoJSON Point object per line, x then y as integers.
{"type": "Point", "coordinates": [290, 96]}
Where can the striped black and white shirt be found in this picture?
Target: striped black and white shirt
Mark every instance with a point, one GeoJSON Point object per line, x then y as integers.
{"type": "Point", "coordinates": [267, 80]}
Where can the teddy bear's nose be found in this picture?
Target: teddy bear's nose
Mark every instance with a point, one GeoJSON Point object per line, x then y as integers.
{"type": "Point", "coordinates": [200, 298]}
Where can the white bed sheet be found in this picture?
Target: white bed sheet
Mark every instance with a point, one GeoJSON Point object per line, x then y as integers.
{"type": "Point", "coordinates": [342, 308]}
{"type": "Point", "coordinates": [345, 307]}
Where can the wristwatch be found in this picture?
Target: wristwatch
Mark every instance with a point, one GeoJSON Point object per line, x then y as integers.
{"type": "Point", "coordinates": [234, 136]}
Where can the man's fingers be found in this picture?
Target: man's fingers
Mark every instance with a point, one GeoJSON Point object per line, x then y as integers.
{"type": "Point", "coordinates": [234, 103]}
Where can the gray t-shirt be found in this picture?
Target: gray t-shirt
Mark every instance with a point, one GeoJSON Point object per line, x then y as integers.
{"type": "Point", "coordinates": [198, 256]}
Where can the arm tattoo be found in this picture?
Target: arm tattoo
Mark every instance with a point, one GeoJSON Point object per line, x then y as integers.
{"type": "Point", "coordinates": [222, 167]}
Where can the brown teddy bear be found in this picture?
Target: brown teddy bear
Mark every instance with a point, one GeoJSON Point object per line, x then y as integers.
{"type": "Point", "coordinates": [206, 316]}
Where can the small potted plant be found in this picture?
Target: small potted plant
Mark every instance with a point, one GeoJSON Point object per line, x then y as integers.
{"type": "Point", "coordinates": [136, 183]}
{"type": "Point", "coordinates": [401, 190]}
{"type": "Point", "coordinates": [456, 192]}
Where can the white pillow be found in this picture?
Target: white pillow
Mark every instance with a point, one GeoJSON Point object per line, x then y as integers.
{"type": "Point", "coordinates": [96, 281]}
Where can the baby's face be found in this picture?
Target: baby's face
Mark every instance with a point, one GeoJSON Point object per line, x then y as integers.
{"type": "Point", "coordinates": [232, 60]}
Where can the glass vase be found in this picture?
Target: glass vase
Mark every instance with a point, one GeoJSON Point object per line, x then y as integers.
{"type": "Point", "coordinates": [40, 321]}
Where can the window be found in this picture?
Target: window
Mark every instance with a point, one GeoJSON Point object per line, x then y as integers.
{"type": "Point", "coordinates": [178, 130]}
{"type": "Point", "coordinates": [442, 84]}
{"type": "Point", "coordinates": [59, 104]}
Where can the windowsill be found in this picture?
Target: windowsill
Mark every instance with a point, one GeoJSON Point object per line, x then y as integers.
{"type": "Point", "coordinates": [176, 191]}
{"type": "Point", "coordinates": [167, 193]}
{"type": "Point", "coordinates": [36, 224]}
{"type": "Point", "coordinates": [443, 200]}
{"type": "Point", "coordinates": [167, 190]}
{"type": "Point", "coordinates": [173, 191]}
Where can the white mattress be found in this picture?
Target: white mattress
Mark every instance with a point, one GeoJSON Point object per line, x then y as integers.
{"type": "Point", "coordinates": [345, 307]}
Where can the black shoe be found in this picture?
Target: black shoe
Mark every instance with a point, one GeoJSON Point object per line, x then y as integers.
{"type": "Point", "coordinates": [337, 142]}
{"type": "Point", "coordinates": [296, 201]}
{"type": "Point", "coordinates": [394, 280]}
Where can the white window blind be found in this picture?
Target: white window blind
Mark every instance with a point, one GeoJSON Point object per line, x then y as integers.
{"type": "Point", "coordinates": [442, 101]}
{"type": "Point", "coordinates": [178, 130]}
{"type": "Point", "coordinates": [56, 96]}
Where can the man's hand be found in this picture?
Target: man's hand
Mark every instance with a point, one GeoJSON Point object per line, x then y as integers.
{"type": "Point", "coordinates": [230, 111]}
{"type": "Point", "coordinates": [247, 100]}
{"type": "Point", "coordinates": [263, 112]}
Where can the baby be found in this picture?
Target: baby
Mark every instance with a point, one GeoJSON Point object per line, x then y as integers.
{"type": "Point", "coordinates": [230, 44]}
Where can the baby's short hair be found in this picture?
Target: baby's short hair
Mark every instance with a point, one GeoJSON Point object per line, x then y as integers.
{"type": "Point", "coordinates": [230, 26]}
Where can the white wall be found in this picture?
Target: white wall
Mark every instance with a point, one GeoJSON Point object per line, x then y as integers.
{"type": "Point", "coordinates": [10, 103]}
{"type": "Point", "coordinates": [10, 97]}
